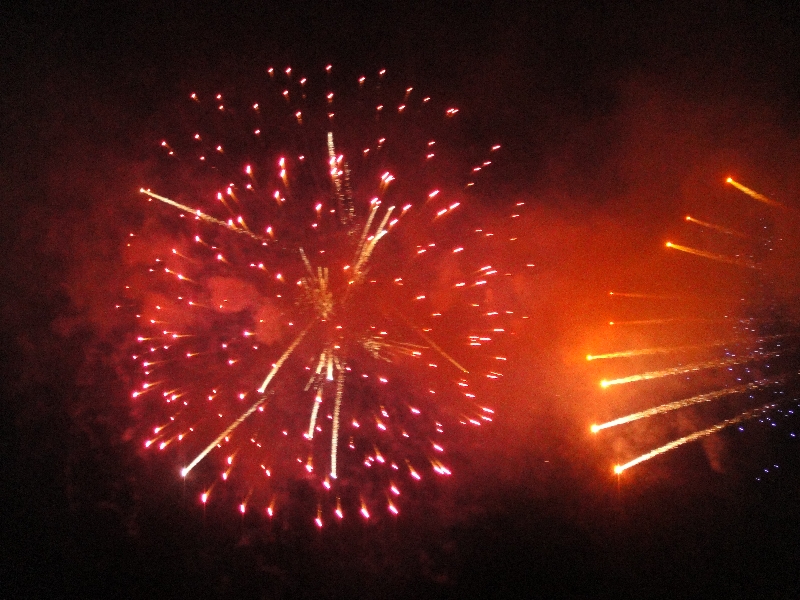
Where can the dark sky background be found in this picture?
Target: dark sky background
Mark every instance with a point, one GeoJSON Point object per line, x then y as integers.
{"type": "Point", "coordinates": [616, 119]}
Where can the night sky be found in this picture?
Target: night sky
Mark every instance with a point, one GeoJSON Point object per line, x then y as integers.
{"type": "Point", "coordinates": [615, 122]}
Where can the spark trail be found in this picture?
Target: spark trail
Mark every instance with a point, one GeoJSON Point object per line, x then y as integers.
{"type": "Point", "coordinates": [201, 215]}
{"type": "Point", "coordinates": [711, 256]}
{"type": "Point", "coordinates": [750, 313]}
{"type": "Point", "coordinates": [249, 411]}
{"type": "Point", "coordinates": [665, 321]}
{"type": "Point", "coordinates": [745, 416]}
{"type": "Point", "coordinates": [715, 227]}
{"type": "Point", "coordinates": [711, 364]}
{"type": "Point", "coordinates": [362, 398]}
{"type": "Point", "coordinates": [678, 404]}
{"type": "Point", "coordinates": [753, 194]}
{"type": "Point", "coordinates": [653, 351]}
{"type": "Point", "coordinates": [642, 296]}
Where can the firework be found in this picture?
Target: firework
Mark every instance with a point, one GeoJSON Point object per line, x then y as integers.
{"type": "Point", "coordinates": [745, 416]}
{"type": "Point", "coordinates": [720, 228]}
{"type": "Point", "coordinates": [652, 351]}
{"type": "Point", "coordinates": [754, 364]}
{"type": "Point", "coordinates": [712, 256]}
{"type": "Point", "coordinates": [291, 329]}
{"type": "Point", "coordinates": [643, 296]}
{"type": "Point", "coordinates": [753, 194]}
{"type": "Point", "coordinates": [670, 406]}
{"type": "Point", "coordinates": [690, 368]}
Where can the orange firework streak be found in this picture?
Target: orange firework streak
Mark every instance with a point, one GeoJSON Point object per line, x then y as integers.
{"type": "Point", "coordinates": [678, 404]}
{"type": "Point", "coordinates": [719, 228]}
{"type": "Point", "coordinates": [651, 351]}
{"type": "Point", "coordinates": [753, 194]}
{"type": "Point", "coordinates": [717, 257]}
{"type": "Point", "coordinates": [663, 321]}
{"type": "Point", "coordinates": [711, 364]}
{"type": "Point", "coordinates": [745, 416]}
{"type": "Point", "coordinates": [635, 295]}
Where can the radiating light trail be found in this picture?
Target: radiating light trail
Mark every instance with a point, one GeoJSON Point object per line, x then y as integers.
{"type": "Point", "coordinates": [678, 404]}
{"type": "Point", "coordinates": [218, 310]}
{"type": "Point", "coordinates": [635, 295]}
{"type": "Point", "coordinates": [745, 416]}
{"type": "Point", "coordinates": [711, 364]}
{"type": "Point", "coordinates": [201, 215]}
{"type": "Point", "coordinates": [435, 346]}
{"type": "Point", "coordinates": [715, 227]}
{"type": "Point", "coordinates": [250, 410]}
{"type": "Point", "coordinates": [336, 412]}
{"type": "Point", "coordinates": [711, 256]}
{"type": "Point", "coordinates": [283, 358]}
{"type": "Point", "coordinates": [665, 321]}
{"type": "Point", "coordinates": [753, 194]}
{"type": "Point", "coordinates": [652, 351]}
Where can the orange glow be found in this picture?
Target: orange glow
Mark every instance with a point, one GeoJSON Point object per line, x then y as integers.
{"type": "Point", "coordinates": [745, 416]}
{"type": "Point", "coordinates": [711, 364]}
{"type": "Point", "coordinates": [753, 194]}
{"type": "Point", "coordinates": [716, 257]}
{"type": "Point", "coordinates": [719, 228]}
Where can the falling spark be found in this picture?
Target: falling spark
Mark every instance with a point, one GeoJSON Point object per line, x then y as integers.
{"type": "Point", "coordinates": [711, 256]}
{"type": "Point", "coordinates": [309, 300]}
{"type": "Point", "coordinates": [719, 228]}
{"type": "Point", "coordinates": [635, 295]}
{"type": "Point", "coordinates": [653, 351]}
{"type": "Point", "coordinates": [753, 194]}
{"type": "Point", "coordinates": [711, 364]}
{"type": "Point", "coordinates": [678, 404]}
{"type": "Point", "coordinates": [745, 416]}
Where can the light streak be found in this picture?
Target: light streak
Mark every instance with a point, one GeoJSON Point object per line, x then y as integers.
{"type": "Point", "coordinates": [719, 228]}
{"type": "Point", "coordinates": [250, 410]}
{"type": "Point", "coordinates": [336, 412]}
{"type": "Point", "coordinates": [653, 351]}
{"type": "Point", "coordinates": [745, 416]}
{"type": "Point", "coordinates": [711, 256]}
{"type": "Point", "coordinates": [433, 344]}
{"type": "Point", "coordinates": [283, 358]}
{"type": "Point", "coordinates": [753, 194]}
{"type": "Point", "coordinates": [678, 404]}
{"type": "Point", "coordinates": [201, 215]}
{"type": "Point", "coordinates": [636, 295]}
{"type": "Point", "coordinates": [711, 364]}
{"type": "Point", "coordinates": [444, 354]}
{"type": "Point", "coordinates": [314, 411]}
{"type": "Point", "coordinates": [666, 321]}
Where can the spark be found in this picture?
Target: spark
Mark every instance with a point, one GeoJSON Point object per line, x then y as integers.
{"type": "Point", "coordinates": [745, 416]}
{"type": "Point", "coordinates": [185, 471]}
{"type": "Point", "coordinates": [719, 228]}
{"type": "Point", "coordinates": [319, 295]}
{"type": "Point", "coordinates": [678, 404]}
{"type": "Point", "coordinates": [711, 256]}
{"type": "Point", "coordinates": [753, 194]}
{"type": "Point", "coordinates": [711, 364]}
{"type": "Point", "coordinates": [652, 351]}
{"type": "Point", "coordinates": [636, 295]}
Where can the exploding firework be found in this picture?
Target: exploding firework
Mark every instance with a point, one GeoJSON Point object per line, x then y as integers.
{"type": "Point", "coordinates": [319, 301]}
{"type": "Point", "coordinates": [742, 352]}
